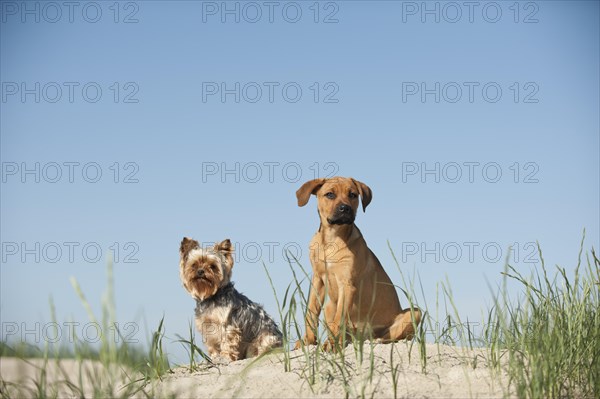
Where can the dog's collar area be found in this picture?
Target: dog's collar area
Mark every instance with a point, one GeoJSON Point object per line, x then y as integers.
{"type": "Point", "coordinates": [221, 292]}
{"type": "Point", "coordinates": [339, 222]}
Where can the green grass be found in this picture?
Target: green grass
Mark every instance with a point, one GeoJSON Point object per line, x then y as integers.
{"type": "Point", "coordinates": [551, 332]}
{"type": "Point", "coordinates": [544, 340]}
{"type": "Point", "coordinates": [108, 370]}
{"type": "Point", "coordinates": [193, 350]}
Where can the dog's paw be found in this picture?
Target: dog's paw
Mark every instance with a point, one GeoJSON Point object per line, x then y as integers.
{"type": "Point", "coordinates": [221, 360]}
{"type": "Point", "coordinates": [304, 342]}
{"type": "Point", "coordinates": [330, 345]}
{"type": "Point", "coordinates": [333, 345]}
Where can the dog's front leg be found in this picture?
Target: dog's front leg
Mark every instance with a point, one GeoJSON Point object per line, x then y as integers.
{"type": "Point", "coordinates": [316, 297]}
{"type": "Point", "coordinates": [341, 321]}
{"type": "Point", "coordinates": [231, 345]}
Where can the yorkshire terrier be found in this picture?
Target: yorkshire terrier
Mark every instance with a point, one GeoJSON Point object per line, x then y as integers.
{"type": "Point", "coordinates": [232, 326]}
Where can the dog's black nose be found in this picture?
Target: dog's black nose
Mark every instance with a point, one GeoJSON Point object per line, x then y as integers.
{"type": "Point", "coordinates": [200, 272]}
{"type": "Point", "coordinates": [344, 208]}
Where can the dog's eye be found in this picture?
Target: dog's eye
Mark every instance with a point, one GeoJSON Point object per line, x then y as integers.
{"type": "Point", "coordinates": [330, 195]}
{"type": "Point", "coordinates": [352, 195]}
{"type": "Point", "coordinates": [213, 267]}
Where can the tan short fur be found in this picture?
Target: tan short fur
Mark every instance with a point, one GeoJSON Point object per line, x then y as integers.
{"type": "Point", "coordinates": [360, 292]}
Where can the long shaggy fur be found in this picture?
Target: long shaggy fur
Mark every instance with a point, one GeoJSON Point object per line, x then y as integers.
{"type": "Point", "coordinates": [232, 326]}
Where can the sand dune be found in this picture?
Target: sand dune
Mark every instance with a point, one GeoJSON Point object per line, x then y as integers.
{"type": "Point", "coordinates": [450, 372]}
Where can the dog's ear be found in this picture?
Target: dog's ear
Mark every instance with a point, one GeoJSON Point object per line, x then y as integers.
{"type": "Point", "coordinates": [187, 244]}
{"type": "Point", "coordinates": [226, 249]}
{"type": "Point", "coordinates": [308, 188]}
{"type": "Point", "coordinates": [366, 195]}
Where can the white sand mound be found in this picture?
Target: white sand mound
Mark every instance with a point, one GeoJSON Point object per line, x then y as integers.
{"type": "Point", "coordinates": [449, 372]}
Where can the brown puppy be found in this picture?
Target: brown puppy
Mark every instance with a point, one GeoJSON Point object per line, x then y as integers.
{"type": "Point", "coordinates": [361, 295]}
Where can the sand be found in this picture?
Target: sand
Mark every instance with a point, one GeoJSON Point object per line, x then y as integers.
{"type": "Point", "coordinates": [450, 372]}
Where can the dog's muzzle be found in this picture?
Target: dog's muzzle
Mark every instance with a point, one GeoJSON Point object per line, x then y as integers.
{"type": "Point", "coordinates": [343, 215]}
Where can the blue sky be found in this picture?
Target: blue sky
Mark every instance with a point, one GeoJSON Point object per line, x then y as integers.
{"type": "Point", "coordinates": [159, 123]}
